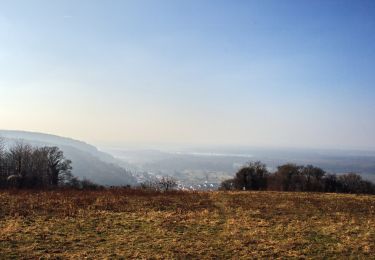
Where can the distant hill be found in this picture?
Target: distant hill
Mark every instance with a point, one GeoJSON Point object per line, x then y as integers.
{"type": "Point", "coordinates": [87, 161]}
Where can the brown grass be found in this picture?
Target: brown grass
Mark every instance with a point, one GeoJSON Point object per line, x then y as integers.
{"type": "Point", "coordinates": [149, 225]}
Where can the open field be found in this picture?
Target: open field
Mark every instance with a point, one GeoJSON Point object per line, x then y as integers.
{"type": "Point", "coordinates": [138, 224]}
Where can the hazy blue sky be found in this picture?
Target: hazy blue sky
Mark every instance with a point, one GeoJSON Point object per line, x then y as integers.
{"type": "Point", "coordinates": [275, 73]}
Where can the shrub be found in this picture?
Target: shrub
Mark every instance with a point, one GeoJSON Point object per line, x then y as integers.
{"type": "Point", "coordinates": [292, 177]}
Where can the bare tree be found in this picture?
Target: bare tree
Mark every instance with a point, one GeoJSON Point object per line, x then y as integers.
{"type": "Point", "coordinates": [19, 160]}
{"type": "Point", "coordinates": [59, 167]}
{"type": "Point", "coordinates": [312, 178]}
{"type": "Point", "coordinates": [167, 183]}
{"type": "Point", "coordinates": [24, 166]}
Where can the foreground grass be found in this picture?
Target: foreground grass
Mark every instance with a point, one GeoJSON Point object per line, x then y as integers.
{"type": "Point", "coordinates": [135, 224]}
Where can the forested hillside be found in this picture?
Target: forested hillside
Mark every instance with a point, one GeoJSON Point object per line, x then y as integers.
{"type": "Point", "coordinates": [87, 161]}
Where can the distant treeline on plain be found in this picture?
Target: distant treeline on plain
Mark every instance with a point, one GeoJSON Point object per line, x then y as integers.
{"type": "Point", "coordinates": [292, 177]}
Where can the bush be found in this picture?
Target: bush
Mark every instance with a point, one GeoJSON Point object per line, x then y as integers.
{"type": "Point", "coordinates": [252, 177]}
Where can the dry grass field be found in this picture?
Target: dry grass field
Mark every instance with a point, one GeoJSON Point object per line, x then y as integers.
{"type": "Point", "coordinates": [149, 225]}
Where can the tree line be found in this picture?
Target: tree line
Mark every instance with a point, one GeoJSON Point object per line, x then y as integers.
{"type": "Point", "coordinates": [25, 166]}
{"type": "Point", "coordinates": [292, 177]}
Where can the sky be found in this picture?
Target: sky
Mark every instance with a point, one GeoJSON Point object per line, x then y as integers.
{"type": "Point", "coordinates": [262, 73]}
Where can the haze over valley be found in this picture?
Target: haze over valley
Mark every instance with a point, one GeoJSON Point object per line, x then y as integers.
{"type": "Point", "coordinates": [213, 164]}
{"type": "Point", "coordinates": [167, 129]}
{"type": "Point", "coordinates": [193, 167]}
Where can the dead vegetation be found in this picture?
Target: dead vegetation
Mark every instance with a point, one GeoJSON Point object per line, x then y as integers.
{"type": "Point", "coordinates": [130, 223]}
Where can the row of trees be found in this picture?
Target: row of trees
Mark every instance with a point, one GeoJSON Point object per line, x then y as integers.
{"type": "Point", "coordinates": [292, 177]}
{"type": "Point", "coordinates": [24, 166]}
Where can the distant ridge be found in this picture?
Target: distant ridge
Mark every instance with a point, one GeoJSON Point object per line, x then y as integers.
{"type": "Point", "coordinates": [88, 161]}
{"type": "Point", "coordinates": [47, 138]}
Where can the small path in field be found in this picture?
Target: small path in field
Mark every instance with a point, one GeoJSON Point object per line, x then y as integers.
{"type": "Point", "coordinates": [222, 216]}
